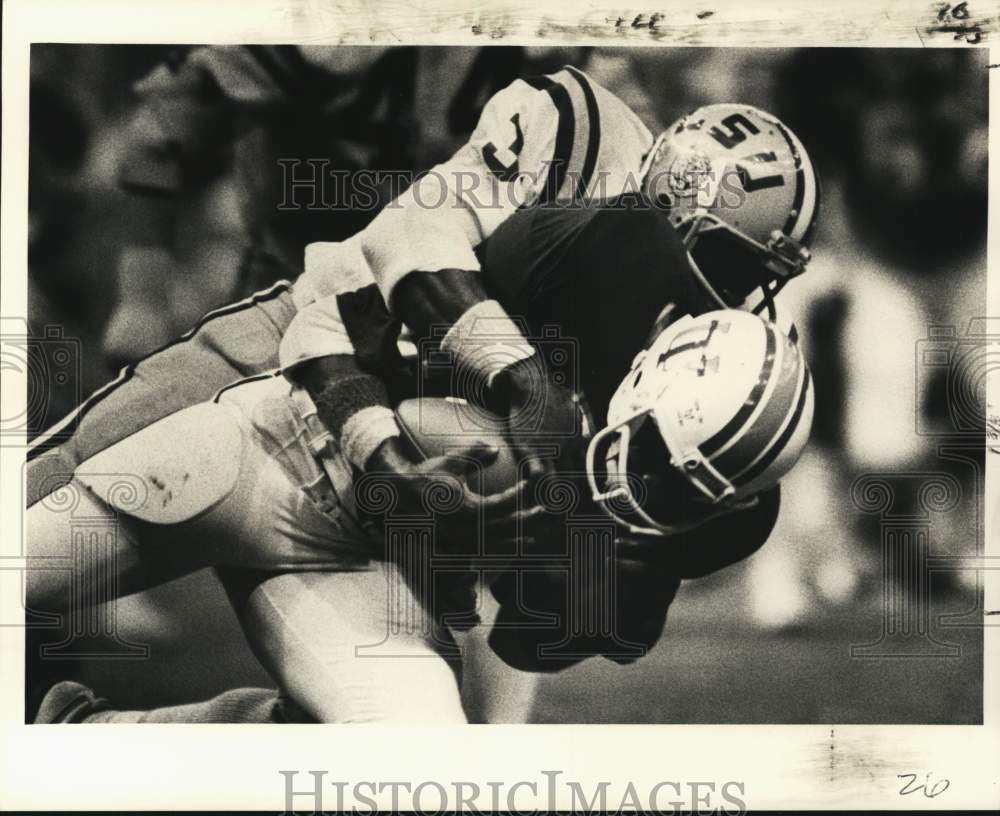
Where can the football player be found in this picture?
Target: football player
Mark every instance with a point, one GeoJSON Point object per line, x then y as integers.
{"type": "Point", "coordinates": [557, 139]}
{"type": "Point", "coordinates": [719, 209]}
{"type": "Point", "coordinates": [552, 163]}
{"type": "Point", "coordinates": [353, 404]}
{"type": "Point", "coordinates": [711, 416]}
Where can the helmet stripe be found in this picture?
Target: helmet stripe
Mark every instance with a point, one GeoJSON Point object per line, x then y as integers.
{"type": "Point", "coordinates": [742, 416]}
{"type": "Point", "coordinates": [779, 445]}
{"type": "Point", "coordinates": [800, 182]}
{"type": "Point", "coordinates": [776, 406]}
{"type": "Point", "coordinates": [811, 202]}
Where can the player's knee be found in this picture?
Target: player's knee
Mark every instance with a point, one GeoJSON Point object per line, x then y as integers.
{"type": "Point", "coordinates": [49, 527]}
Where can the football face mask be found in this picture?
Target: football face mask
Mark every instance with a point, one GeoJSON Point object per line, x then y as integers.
{"type": "Point", "coordinates": [742, 193]}
{"type": "Point", "coordinates": [719, 406]}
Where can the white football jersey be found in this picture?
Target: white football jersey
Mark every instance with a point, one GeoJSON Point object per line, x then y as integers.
{"type": "Point", "coordinates": [554, 138]}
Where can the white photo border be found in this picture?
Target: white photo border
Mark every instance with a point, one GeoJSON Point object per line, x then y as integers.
{"type": "Point", "coordinates": [219, 767]}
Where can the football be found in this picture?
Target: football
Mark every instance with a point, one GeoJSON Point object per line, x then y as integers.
{"type": "Point", "coordinates": [434, 426]}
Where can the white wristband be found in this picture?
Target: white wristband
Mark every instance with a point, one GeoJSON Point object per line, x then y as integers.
{"type": "Point", "coordinates": [485, 340]}
{"type": "Point", "coordinates": [364, 431]}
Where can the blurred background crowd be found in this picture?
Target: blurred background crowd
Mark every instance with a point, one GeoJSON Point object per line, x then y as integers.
{"type": "Point", "coordinates": [135, 233]}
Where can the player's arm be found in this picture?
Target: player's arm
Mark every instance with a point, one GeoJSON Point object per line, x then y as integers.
{"type": "Point", "coordinates": [420, 252]}
{"type": "Point", "coordinates": [490, 351]}
{"type": "Point", "coordinates": [420, 247]}
{"type": "Point", "coordinates": [435, 224]}
{"type": "Point", "coordinates": [651, 569]}
{"type": "Point", "coordinates": [342, 347]}
{"type": "Point", "coordinates": [354, 405]}
{"type": "Point", "coordinates": [642, 594]}
{"type": "Point", "coordinates": [317, 353]}
{"type": "Point", "coordinates": [723, 540]}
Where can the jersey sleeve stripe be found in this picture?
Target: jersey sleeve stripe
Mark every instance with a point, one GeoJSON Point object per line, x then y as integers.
{"type": "Point", "coordinates": [593, 128]}
{"type": "Point", "coordinates": [565, 134]}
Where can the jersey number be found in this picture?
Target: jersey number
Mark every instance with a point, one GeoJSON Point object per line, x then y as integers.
{"type": "Point", "coordinates": [505, 172]}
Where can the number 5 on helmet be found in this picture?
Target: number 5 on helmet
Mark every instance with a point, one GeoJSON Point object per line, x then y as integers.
{"type": "Point", "coordinates": [717, 409]}
{"type": "Point", "coordinates": [742, 192]}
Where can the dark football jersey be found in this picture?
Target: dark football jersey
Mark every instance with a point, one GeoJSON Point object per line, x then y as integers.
{"type": "Point", "coordinates": [589, 283]}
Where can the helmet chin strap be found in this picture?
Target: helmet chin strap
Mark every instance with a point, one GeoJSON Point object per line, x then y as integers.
{"type": "Point", "coordinates": [767, 300]}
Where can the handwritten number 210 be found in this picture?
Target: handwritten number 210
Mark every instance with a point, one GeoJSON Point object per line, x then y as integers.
{"type": "Point", "coordinates": [930, 791]}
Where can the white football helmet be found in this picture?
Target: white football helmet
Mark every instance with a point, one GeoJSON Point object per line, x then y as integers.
{"type": "Point", "coordinates": [719, 406]}
{"type": "Point", "coordinates": [743, 194]}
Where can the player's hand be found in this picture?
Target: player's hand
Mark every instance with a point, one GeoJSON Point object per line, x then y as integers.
{"type": "Point", "coordinates": [646, 586]}
{"type": "Point", "coordinates": [543, 419]}
{"type": "Point", "coordinates": [464, 520]}
{"type": "Point", "coordinates": [438, 486]}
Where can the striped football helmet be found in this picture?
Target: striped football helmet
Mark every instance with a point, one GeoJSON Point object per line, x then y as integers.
{"type": "Point", "coordinates": [717, 409]}
{"type": "Point", "coordinates": [743, 194]}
